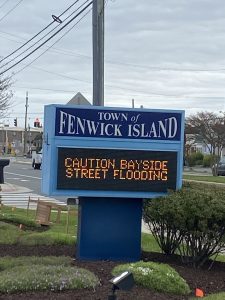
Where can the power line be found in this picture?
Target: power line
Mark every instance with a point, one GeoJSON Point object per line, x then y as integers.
{"type": "Point", "coordinates": [134, 95]}
{"type": "Point", "coordinates": [113, 86]}
{"type": "Point", "coordinates": [152, 68]}
{"type": "Point", "coordinates": [46, 27]}
{"type": "Point", "coordinates": [14, 7]}
{"type": "Point", "coordinates": [4, 3]}
{"type": "Point", "coordinates": [52, 44]}
{"type": "Point", "coordinates": [1, 73]}
{"type": "Point", "coordinates": [35, 43]}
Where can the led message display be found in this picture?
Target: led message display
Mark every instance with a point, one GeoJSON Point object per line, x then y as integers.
{"type": "Point", "coordinates": [116, 170]}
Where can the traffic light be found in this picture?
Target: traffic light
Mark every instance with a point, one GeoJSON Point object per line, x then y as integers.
{"type": "Point", "coordinates": [15, 122]}
{"type": "Point", "coordinates": [37, 123]}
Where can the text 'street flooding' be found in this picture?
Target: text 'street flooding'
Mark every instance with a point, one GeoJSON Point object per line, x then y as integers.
{"type": "Point", "coordinates": [103, 168]}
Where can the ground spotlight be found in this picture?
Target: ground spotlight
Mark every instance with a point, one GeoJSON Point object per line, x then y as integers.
{"type": "Point", "coordinates": [124, 281]}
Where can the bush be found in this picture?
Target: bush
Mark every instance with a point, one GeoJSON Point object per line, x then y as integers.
{"type": "Point", "coordinates": [45, 277]}
{"type": "Point", "coordinates": [191, 221]}
{"type": "Point", "coordinates": [209, 160]}
{"type": "Point", "coordinates": [163, 216]}
{"type": "Point", "coordinates": [155, 276]}
{"type": "Point", "coordinates": [195, 159]}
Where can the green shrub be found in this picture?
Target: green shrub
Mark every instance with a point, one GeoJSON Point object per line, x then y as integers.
{"type": "Point", "coordinates": [163, 216]}
{"type": "Point", "coordinates": [154, 276]}
{"type": "Point", "coordinates": [45, 277]}
{"type": "Point", "coordinates": [198, 156]}
{"type": "Point", "coordinates": [209, 160]}
{"type": "Point", "coordinates": [189, 220]}
{"type": "Point", "coordinates": [195, 159]}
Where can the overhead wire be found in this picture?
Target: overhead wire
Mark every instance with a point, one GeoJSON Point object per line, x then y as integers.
{"type": "Point", "coordinates": [4, 3]}
{"type": "Point", "coordinates": [42, 30]}
{"type": "Point", "coordinates": [53, 35]}
{"type": "Point", "coordinates": [111, 62]}
{"type": "Point", "coordinates": [14, 7]}
{"type": "Point", "coordinates": [53, 43]}
{"type": "Point", "coordinates": [35, 43]}
{"type": "Point", "coordinates": [134, 95]}
{"type": "Point", "coordinates": [147, 67]}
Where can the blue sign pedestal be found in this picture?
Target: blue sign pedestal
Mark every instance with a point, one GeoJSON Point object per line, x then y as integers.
{"type": "Point", "coordinates": [109, 229]}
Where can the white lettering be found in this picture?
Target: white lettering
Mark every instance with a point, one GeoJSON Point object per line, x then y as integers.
{"type": "Point", "coordinates": [172, 125]}
{"type": "Point", "coordinates": [162, 127]}
{"type": "Point", "coordinates": [62, 121]}
{"type": "Point", "coordinates": [71, 121]}
{"type": "Point", "coordinates": [153, 130]}
{"type": "Point", "coordinates": [92, 127]}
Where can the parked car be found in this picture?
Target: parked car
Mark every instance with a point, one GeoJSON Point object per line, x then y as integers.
{"type": "Point", "coordinates": [218, 169]}
{"type": "Point", "coordinates": [36, 159]}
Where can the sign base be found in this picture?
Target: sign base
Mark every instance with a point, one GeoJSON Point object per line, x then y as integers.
{"type": "Point", "coordinates": [109, 229]}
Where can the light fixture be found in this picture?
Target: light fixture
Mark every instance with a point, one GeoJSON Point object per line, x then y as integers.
{"type": "Point", "coordinates": [124, 281]}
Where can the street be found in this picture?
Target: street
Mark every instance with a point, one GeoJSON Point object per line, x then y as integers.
{"type": "Point", "coordinates": [21, 173]}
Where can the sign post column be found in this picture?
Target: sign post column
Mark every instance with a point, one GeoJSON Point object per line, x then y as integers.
{"type": "Point", "coordinates": [109, 228]}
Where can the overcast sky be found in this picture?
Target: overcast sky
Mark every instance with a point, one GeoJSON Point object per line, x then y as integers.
{"type": "Point", "coordinates": [166, 54]}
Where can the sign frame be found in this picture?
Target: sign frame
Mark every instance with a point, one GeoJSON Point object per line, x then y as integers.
{"type": "Point", "coordinates": [52, 142]}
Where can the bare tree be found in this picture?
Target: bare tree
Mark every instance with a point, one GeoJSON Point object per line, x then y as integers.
{"type": "Point", "coordinates": [210, 127]}
{"type": "Point", "coordinates": [5, 95]}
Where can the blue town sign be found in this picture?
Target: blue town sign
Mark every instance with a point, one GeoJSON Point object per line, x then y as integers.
{"type": "Point", "coordinates": [111, 159]}
{"type": "Point", "coordinates": [112, 152]}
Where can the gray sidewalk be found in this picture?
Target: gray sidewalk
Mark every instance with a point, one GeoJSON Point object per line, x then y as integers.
{"type": "Point", "coordinates": [12, 188]}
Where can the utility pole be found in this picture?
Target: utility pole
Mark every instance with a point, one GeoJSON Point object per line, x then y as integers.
{"type": "Point", "coordinates": [25, 126]}
{"type": "Point", "coordinates": [98, 52]}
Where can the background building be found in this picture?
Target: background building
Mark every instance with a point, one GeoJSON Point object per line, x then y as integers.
{"type": "Point", "coordinates": [14, 140]}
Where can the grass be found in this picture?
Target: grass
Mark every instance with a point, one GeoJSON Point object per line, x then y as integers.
{"type": "Point", "coordinates": [7, 262]}
{"type": "Point", "coordinates": [219, 296]}
{"type": "Point", "coordinates": [47, 238]}
{"type": "Point", "coordinates": [155, 276]}
{"type": "Point", "coordinates": [9, 233]}
{"type": "Point", "coordinates": [35, 234]}
{"type": "Point", "coordinates": [149, 244]}
{"type": "Point", "coordinates": [19, 219]}
{"type": "Point", "coordinates": [55, 274]}
{"type": "Point", "coordinates": [216, 179]}
{"type": "Point", "coordinates": [55, 235]}
{"type": "Point", "coordinates": [43, 273]}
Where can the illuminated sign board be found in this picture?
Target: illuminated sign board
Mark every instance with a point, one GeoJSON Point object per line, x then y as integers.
{"type": "Point", "coordinates": [111, 152]}
{"type": "Point", "coordinates": [121, 170]}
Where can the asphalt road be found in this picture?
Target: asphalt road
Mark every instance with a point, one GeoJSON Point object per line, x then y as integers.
{"type": "Point", "coordinates": [20, 173]}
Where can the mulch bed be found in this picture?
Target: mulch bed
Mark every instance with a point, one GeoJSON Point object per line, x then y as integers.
{"type": "Point", "coordinates": [210, 281]}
